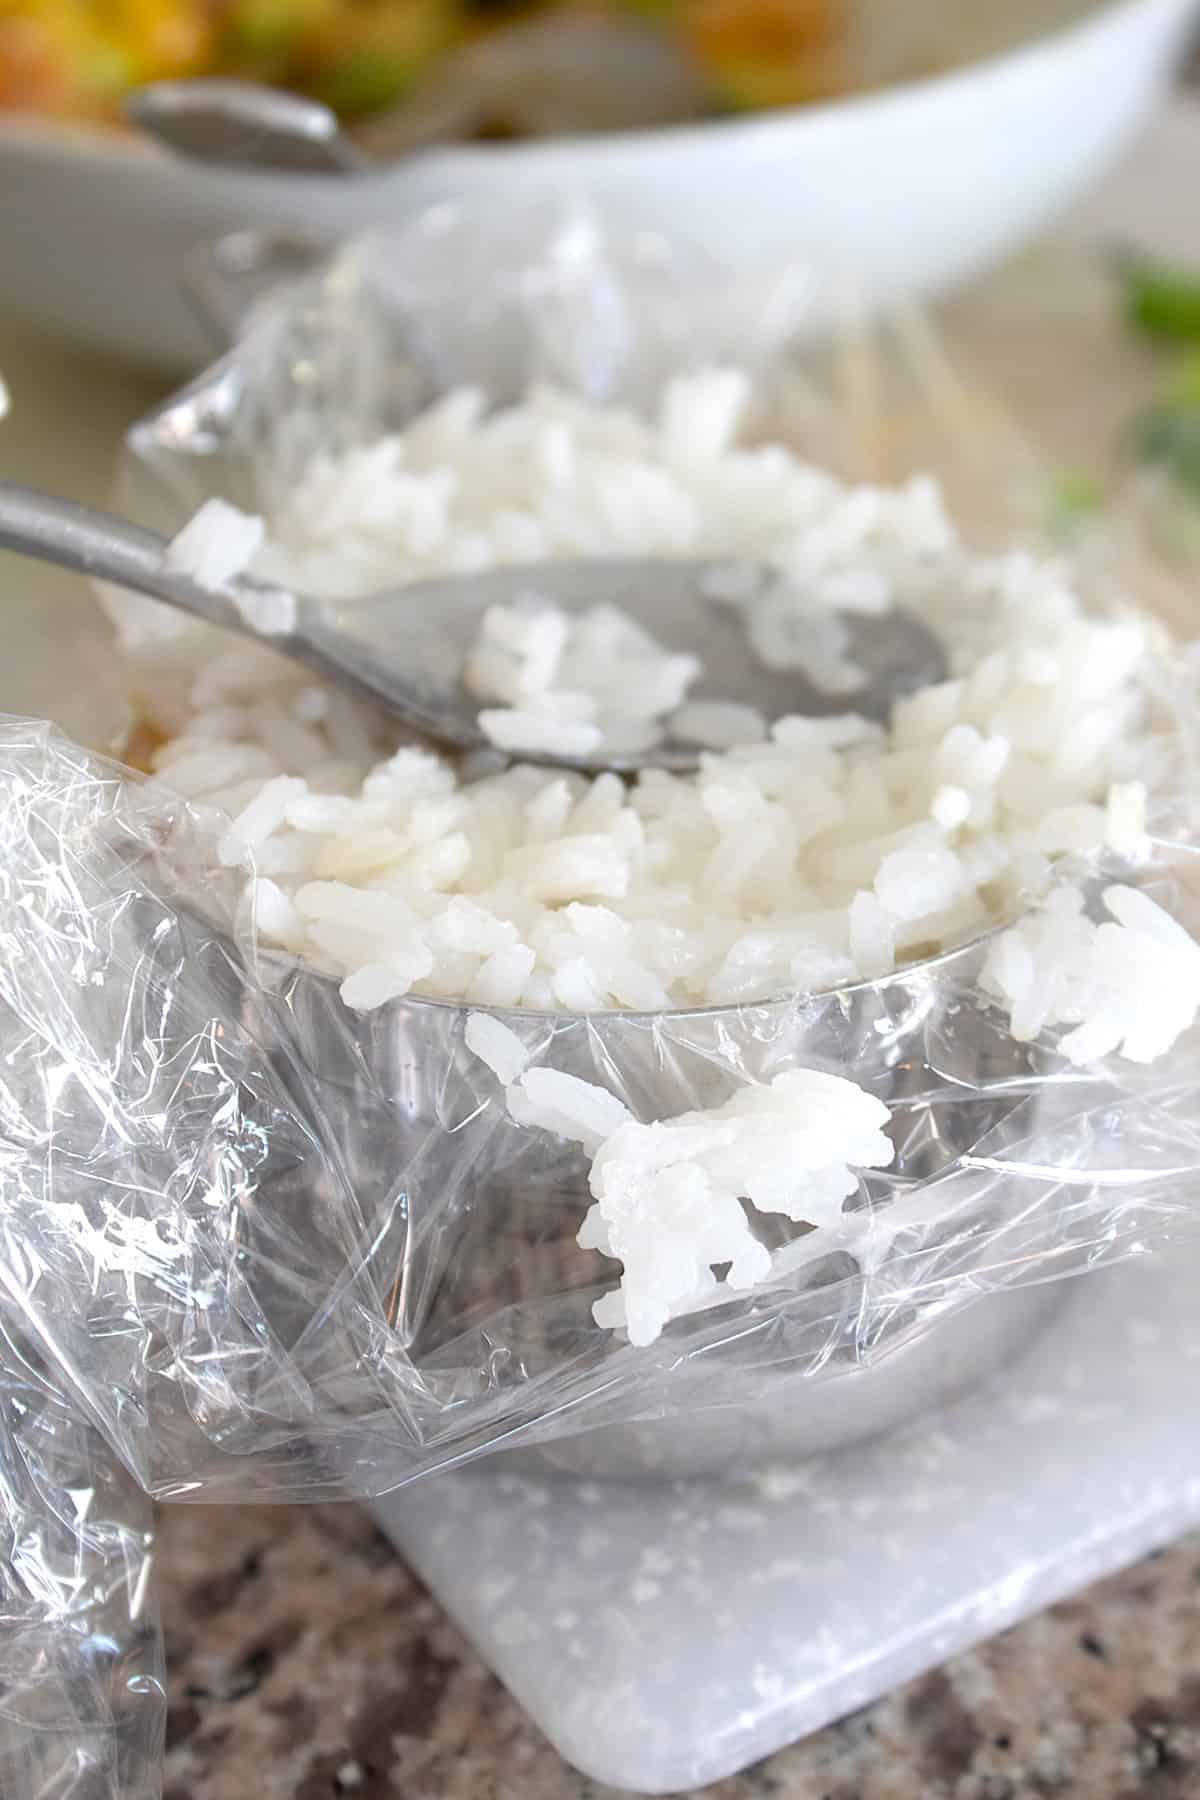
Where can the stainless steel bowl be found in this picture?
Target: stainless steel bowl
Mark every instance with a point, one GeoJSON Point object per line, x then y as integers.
{"type": "Point", "coordinates": [465, 1319]}
{"type": "Point", "coordinates": [473, 1299]}
{"type": "Point", "coordinates": [824, 1411]}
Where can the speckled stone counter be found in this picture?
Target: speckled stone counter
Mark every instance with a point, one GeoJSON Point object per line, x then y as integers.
{"type": "Point", "coordinates": [306, 1663]}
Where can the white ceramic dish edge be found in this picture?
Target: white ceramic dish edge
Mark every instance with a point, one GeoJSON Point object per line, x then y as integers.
{"type": "Point", "coordinates": [917, 187]}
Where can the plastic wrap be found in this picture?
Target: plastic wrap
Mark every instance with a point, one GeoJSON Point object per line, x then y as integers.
{"type": "Point", "coordinates": [251, 1244]}
{"type": "Point", "coordinates": [282, 1247]}
{"type": "Point", "coordinates": [254, 1244]}
{"type": "Point", "coordinates": [334, 354]}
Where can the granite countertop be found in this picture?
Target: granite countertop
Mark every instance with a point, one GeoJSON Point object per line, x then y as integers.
{"type": "Point", "coordinates": [307, 1663]}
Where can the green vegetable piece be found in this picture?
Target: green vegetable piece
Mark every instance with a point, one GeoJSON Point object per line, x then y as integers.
{"type": "Point", "coordinates": [1077, 495]}
{"type": "Point", "coordinates": [108, 70]}
{"type": "Point", "coordinates": [1170, 435]}
{"type": "Point", "coordinates": [1161, 301]}
{"type": "Point", "coordinates": [266, 28]}
{"type": "Point", "coordinates": [1183, 390]}
{"type": "Point", "coordinates": [363, 81]}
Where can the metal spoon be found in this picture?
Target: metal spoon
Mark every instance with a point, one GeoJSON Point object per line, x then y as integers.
{"type": "Point", "coordinates": [548, 78]}
{"type": "Point", "coordinates": [244, 125]}
{"type": "Point", "coordinates": [405, 649]}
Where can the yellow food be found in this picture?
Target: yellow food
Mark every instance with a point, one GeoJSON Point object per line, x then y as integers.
{"type": "Point", "coordinates": [769, 52]}
{"type": "Point", "coordinates": [78, 58]}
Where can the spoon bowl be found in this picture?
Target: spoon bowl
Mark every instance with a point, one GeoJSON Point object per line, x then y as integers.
{"type": "Point", "coordinates": [405, 648]}
{"type": "Point", "coordinates": [414, 643]}
{"type": "Point", "coordinates": [239, 124]}
{"type": "Point", "coordinates": [545, 78]}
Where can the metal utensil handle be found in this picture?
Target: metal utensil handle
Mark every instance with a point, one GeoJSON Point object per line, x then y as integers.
{"type": "Point", "coordinates": [105, 548]}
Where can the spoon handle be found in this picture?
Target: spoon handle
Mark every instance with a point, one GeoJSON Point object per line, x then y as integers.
{"type": "Point", "coordinates": [105, 548]}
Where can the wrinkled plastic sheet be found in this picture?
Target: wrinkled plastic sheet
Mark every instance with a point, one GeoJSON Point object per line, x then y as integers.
{"type": "Point", "coordinates": [332, 354]}
{"type": "Point", "coordinates": [253, 1245]}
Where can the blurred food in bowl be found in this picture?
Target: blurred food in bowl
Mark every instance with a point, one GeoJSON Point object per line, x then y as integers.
{"type": "Point", "coordinates": [78, 60]}
{"type": "Point", "coordinates": [72, 59]}
{"type": "Point", "coordinates": [913, 185]}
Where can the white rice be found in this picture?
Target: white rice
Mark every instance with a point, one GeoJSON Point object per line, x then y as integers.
{"type": "Point", "coordinates": [217, 545]}
{"type": "Point", "coordinates": [496, 1045]}
{"type": "Point", "coordinates": [1130, 983]}
{"type": "Point", "coordinates": [556, 476]}
{"type": "Point", "coordinates": [668, 1195]}
{"type": "Point", "coordinates": [271, 611]}
{"type": "Point", "coordinates": [814, 854]}
{"type": "Point", "coordinates": [828, 851]}
{"type": "Point", "coordinates": [573, 685]}
{"type": "Point", "coordinates": [718, 724]}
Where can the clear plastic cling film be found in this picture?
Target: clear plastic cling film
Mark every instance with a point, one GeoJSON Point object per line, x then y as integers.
{"type": "Point", "coordinates": [255, 1244]}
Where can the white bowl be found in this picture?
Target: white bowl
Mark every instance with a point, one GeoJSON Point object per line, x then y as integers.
{"type": "Point", "coordinates": [915, 187]}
